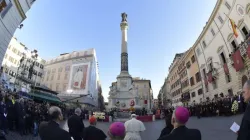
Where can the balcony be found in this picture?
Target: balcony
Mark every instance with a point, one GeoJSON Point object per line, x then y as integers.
{"type": "Point", "coordinates": [185, 97]}
{"type": "Point", "coordinates": [212, 75]}
{"type": "Point", "coordinates": [239, 55]}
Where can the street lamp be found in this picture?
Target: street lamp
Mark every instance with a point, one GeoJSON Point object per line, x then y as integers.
{"type": "Point", "coordinates": [20, 64]}
{"type": "Point", "coordinates": [34, 56]}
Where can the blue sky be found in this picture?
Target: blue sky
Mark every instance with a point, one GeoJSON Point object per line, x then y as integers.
{"type": "Point", "coordinates": [157, 30]}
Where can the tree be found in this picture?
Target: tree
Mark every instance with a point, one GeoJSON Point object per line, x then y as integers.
{"type": "Point", "coordinates": [101, 104]}
{"type": "Point", "coordinates": [159, 100]}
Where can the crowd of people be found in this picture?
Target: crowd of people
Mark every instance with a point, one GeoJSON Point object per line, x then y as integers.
{"type": "Point", "coordinates": [220, 106]}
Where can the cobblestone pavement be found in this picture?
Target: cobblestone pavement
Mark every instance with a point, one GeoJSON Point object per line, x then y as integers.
{"type": "Point", "coordinates": [214, 128]}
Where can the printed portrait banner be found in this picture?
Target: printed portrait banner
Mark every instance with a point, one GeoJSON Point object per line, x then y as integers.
{"type": "Point", "coordinates": [78, 78]}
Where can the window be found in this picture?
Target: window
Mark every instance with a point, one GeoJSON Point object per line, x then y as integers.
{"type": "Point", "coordinates": [54, 70]}
{"type": "Point", "coordinates": [67, 68]}
{"type": "Point", "coordinates": [230, 92]}
{"type": "Point", "coordinates": [204, 44]}
{"type": "Point", "coordinates": [60, 69]}
{"type": "Point", "coordinates": [193, 59]}
{"type": "Point", "coordinates": [228, 78]}
{"type": "Point", "coordinates": [41, 66]}
{"type": "Point", "coordinates": [57, 87]}
{"type": "Point", "coordinates": [200, 91]}
{"type": "Point", "coordinates": [188, 64]}
{"type": "Point", "coordinates": [4, 6]}
{"type": "Point", "coordinates": [66, 76]}
{"type": "Point", "coordinates": [223, 58]}
{"type": "Point", "coordinates": [14, 50]}
{"type": "Point", "coordinates": [52, 77]}
{"type": "Point", "coordinates": [227, 5]}
{"type": "Point", "coordinates": [64, 87]}
{"type": "Point", "coordinates": [220, 19]}
{"type": "Point", "coordinates": [191, 81]}
{"type": "Point", "coordinates": [58, 77]}
{"type": "Point", "coordinates": [233, 43]}
{"type": "Point", "coordinates": [193, 94]}
{"type": "Point", "coordinates": [198, 77]}
{"type": "Point", "coordinates": [37, 64]}
{"type": "Point", "coordinates": [244, 31]}
{"type": "Point", "coordinates": [212, 31]}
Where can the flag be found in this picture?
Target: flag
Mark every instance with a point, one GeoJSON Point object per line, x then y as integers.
{"type": "Point", "coordinates": [238, 62]}
{"type": "Point", "coordinates": [233, 27]}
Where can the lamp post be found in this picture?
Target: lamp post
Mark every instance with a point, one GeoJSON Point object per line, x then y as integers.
{"type": "Point", "coordinates": [20, 64]}
{"type": "Point", "coordinates": [34, 56]}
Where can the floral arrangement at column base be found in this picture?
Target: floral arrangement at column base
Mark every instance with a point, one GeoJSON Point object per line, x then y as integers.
{"type": "Point", "coordinates": [235, 107]}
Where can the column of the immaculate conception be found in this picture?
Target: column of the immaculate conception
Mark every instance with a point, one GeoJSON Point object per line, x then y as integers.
{"type": "Point", "coordinates": [122, 92]}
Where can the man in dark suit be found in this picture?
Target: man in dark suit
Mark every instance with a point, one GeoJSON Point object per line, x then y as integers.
{"type": "Point", "coordinates": [181, 132]}
{"type": "Point", "coordinates": [76, 126]}
{"type": "Point", "coordinates": [51, 130]}
{"type": "Point", "coordinates": [244, 132]}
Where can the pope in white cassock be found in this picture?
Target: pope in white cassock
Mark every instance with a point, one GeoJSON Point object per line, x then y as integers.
{"type": "Point", "coordinates": [77, 79]}
{"type": "Point", "coordinates": [133, 128]}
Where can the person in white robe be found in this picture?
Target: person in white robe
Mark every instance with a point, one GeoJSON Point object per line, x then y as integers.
{"type": "Point", "coordinates": [133, 128]}
{"type": "Point", "coordinates": [77, 79]}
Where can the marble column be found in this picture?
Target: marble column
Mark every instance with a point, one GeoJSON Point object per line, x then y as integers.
{"type": "Point", "coordinates": [124, 51]}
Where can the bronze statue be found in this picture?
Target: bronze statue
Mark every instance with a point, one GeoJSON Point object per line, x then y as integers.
{"type": "Point", "coordinates": [124, 17]}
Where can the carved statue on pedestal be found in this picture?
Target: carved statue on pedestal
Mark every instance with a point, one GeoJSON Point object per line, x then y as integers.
{"type": "Point", "coordinates": [113, 90]}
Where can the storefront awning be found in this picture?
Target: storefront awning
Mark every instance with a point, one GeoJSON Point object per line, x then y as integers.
{"type": "Point", "coordinates": [45, 98]}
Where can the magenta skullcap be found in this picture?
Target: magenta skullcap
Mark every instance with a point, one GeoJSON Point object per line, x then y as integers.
{"type": "Point", "coordinates": [117, 129]}
{"type": "Point", "coordinates": [181, 114]}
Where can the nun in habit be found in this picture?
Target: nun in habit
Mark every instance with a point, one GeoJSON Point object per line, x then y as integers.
{"type": "Point", "coordinates": [77, 79]}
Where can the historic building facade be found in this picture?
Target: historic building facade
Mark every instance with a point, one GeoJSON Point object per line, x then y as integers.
{"type": "Point", "coordinates": [17, 62]}
{"type": "Point", "coordinates": [12, 14]}
{"type": "Point", "coordinates": [75, 76]}
{"type": "Point", "coordinates": [145, 92]}
{"type": "Point", "coordinates": [175, 80]}
{"type": "Point", "coordinates": [194, 76]}
{"type": "Point", "coordinates": [217, 44]}
{"type": "Point", "coordinates": [184, 79]}
{"type": "Point", "coordinates": [166, 95]}
{"type": "Point", "coordinates": [218, 62]}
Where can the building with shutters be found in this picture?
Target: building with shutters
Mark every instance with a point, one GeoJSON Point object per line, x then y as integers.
{"type": "Point", "coordinates": [75, 76]}
{"type": "Point", "coordinates": [218, 62]}
{"type": "Point", "coordinates": [165, 93]}
{"type": "Point", "coordinates": [218, 49]}
{"type": "Point", "coordinates": [175, 81]}
{"type": "Point", "coordinates": [12, 14]}
{"type": "Point", "coordinates": [14, 70]}
{"type": "Point", "coordinates": [194, 81]}
{"type": "Point", "coordinates": [145, 92]}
